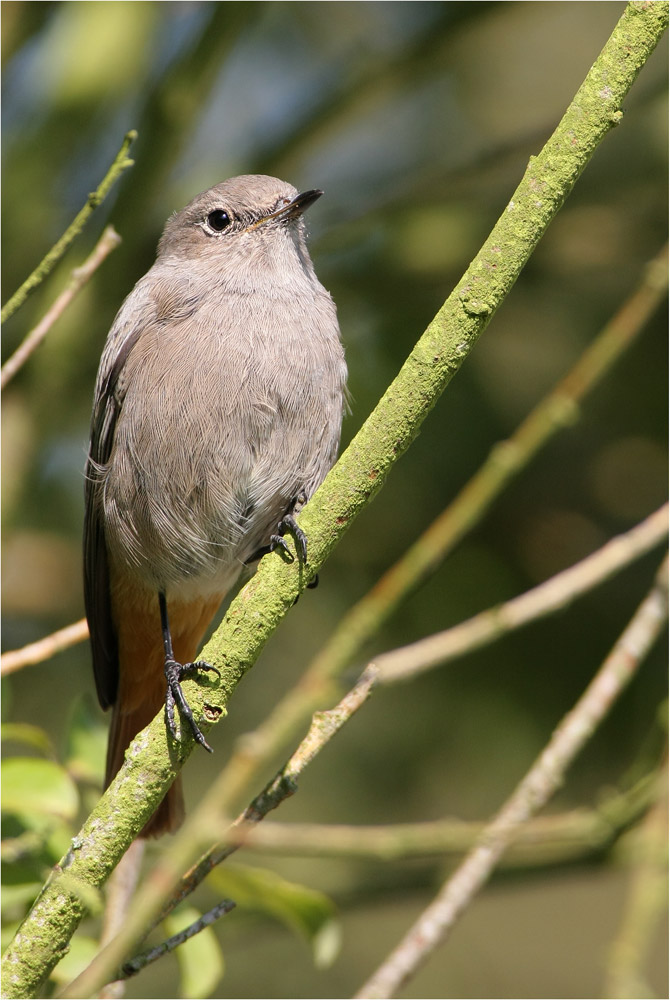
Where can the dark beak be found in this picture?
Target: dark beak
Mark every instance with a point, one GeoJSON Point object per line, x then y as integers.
{"type": "Point", "coordinates": [302, 202]}
{"type": "Point", "coordinates": [296, 207]}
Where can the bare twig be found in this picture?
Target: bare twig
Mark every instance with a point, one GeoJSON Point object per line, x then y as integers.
{"type": "Point", "coordinates": [135, 965]}
{"type": "Point", "coordinates": [549, 597]}
{"type": "Point", "coordinates": [545, 840]}
{"type": "Point", "coordinates": [94, 199]}
{"type": "Point", "coordinates": [37, 652]}
{"type": "Point", "coordinates": [109, 240]}
{"type": "Point", "coordinates": [534, 791]}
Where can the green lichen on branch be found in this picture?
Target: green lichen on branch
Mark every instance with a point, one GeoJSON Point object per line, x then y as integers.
{"type": "Point", "coordinates": [154, 758]}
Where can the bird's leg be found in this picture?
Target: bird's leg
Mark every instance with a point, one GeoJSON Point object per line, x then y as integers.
{"type": "Point", "coordinates": [174, 675]}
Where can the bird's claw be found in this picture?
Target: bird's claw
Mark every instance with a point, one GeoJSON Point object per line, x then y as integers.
{"type": "Point", "coordinates": [289, 523]}
{"type": "Point", "coordinates": [175, 673]}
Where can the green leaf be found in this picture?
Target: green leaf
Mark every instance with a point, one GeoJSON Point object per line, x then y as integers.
{"type": "Point", "coordinates": [86, 744]}
{"type": "Point", "coordinates": [32, 787]}
{"type": "Point", "coordinates": [81, 953]}
{"type": "Point", "coordinates": [309, 912]}
{"type": "Point", "coordinates": [23, 732]}
{"type": "Point", "coordinates": [200, 959]}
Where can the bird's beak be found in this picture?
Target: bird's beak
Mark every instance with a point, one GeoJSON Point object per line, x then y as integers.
{"type": "Point", "coordinates": [300, 204]}
{"type": "Point", "coordinates": [292, 209]}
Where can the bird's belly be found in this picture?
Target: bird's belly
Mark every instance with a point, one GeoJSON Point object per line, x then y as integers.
{"type": "Point", "coordinates": [190, 497]}
{"type": "Point", "coordinates": [190, 518]}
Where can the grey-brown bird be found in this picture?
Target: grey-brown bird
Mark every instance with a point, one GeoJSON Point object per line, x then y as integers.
{"type": "Point", "coordinates": [218, 407]}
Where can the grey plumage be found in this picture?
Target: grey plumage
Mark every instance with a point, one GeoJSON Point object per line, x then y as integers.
{"type": "Point", "coordinates": [218, 403]}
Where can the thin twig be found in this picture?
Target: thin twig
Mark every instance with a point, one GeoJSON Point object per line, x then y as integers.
{"type": "Point", "coordinates": [549, 597]}
{"type": "Point", "coordinates": [542, 780]}
{"type": "Point", "coordinates": [545, 840]}
{"type": "Point", "coordinates": [94, 199]}
{"type": "Point", "coordinates": [135, 965]}
{"type": "Point", "coordinates": [109, 240]}
{"type": "Point", "coordinates": [37, 652]}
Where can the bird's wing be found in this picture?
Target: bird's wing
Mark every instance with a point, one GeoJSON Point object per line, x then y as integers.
{"type": "Point", "coordinates": [108, 402]}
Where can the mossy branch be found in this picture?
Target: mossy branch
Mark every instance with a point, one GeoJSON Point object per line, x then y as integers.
{"type": "Point", "coordinates": [154, 759]}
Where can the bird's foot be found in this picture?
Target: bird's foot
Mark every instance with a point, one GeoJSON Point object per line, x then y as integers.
{"type": "Point", "coordinates": [289, 523]}
{"type": "Point", "coordinates": [175, 673]}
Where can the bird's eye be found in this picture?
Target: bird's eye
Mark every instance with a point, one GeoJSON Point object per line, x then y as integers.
{"type": "Point", "coordinates": [218, 220]}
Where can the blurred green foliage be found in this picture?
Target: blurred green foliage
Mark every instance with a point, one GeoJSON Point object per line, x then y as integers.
{"type": "Point", "coordinates": [417, 119]}
{"type": "Point", "coordinates": [44, 796]}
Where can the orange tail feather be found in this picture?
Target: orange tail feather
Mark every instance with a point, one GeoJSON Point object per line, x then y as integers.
{"type": "Point", "coordinates": [142, 688]}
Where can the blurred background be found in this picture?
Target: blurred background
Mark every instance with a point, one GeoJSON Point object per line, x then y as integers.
{"type": "Point", "coordinates": [417, 119]}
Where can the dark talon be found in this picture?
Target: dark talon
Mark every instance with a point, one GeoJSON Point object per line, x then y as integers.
{"type": "Point", "coordinates": [298, 533]}
{"type": "Point", "coordinates": [279, 542]}
{"type": "Point", "coordinates": [313, 584]}
{"type": "Point", "coordinates": [175, 673]}
{"type": "Point", "coordinates": [289, 523]}
{"type": "Point", "coordinates": [192, 668]}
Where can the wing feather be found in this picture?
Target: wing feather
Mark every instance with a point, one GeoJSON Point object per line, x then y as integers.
{"type": "Point", "coordinates": [97, 596]}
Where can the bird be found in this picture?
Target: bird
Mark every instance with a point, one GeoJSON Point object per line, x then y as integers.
{"type": "Point", "coordinates": [217, 413]}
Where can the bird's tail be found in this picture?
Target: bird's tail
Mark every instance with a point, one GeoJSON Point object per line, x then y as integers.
{"type": "Point", "coordinates": [127, 722]}
{"type": "Point", "coordinates": [142, 688]}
